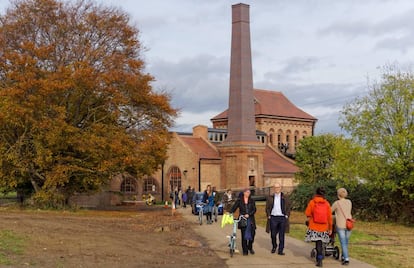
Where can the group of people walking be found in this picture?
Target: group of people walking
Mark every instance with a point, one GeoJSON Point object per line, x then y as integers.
{"type": "Point", "coordinates": [182, 198]}
{"type": "Point", "coordinates": [320, 222]}
{"type": "Point", "coordinates": [278, 207]}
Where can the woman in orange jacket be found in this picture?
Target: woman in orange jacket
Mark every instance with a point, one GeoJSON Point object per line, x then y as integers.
{"type": "Point", "coordinates": [319, 216]}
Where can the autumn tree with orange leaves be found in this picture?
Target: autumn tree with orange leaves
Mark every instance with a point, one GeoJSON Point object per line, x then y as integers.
{"type": "Point", "coordinates": [76, 107]}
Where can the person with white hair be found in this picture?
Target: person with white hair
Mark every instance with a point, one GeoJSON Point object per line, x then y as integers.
{"type": "Point", "coordinates": [277, 212]}
{"type": "Point", "coordinates": [342, 208]}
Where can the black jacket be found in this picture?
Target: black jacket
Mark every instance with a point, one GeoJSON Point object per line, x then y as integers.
{"type": "Point", "coordinates": [249, 208]}
{"type": "Point", "coordinates": [285, 207]}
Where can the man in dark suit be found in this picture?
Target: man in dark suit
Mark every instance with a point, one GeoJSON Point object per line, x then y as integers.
{"type": "Point", "coordinates": [277, 212]}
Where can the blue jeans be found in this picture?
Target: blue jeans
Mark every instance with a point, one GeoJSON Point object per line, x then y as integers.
{"type": "Point", "coordinates": [344, 235]}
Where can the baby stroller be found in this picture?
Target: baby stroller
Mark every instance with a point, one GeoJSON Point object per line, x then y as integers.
{"type": "Point", "coordinates": [329, 249]}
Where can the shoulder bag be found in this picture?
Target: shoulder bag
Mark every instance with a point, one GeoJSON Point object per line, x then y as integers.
{"type": "Point", "coordinates": [349, 222]}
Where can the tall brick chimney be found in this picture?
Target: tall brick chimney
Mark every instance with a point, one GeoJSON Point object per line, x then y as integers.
{"type": "Point", "coordinates": [241, 153]}
{"type": "Point", "coordinates": [241, 119]}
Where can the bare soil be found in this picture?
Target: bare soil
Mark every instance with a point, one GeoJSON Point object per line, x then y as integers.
{"type": "Point", "coordinates": [149, 237]}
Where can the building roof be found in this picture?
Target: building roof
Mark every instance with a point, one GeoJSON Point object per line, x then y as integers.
{"type": "Point", "coordinates": [200, 147]}
{"type": "Point", "coordinates": [273, 103]}
{"type": "Point", "coordinates": [274, 162]}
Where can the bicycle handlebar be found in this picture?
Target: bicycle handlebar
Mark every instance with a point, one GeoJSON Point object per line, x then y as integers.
{"type": "Point", "coordinates": [241, 217]}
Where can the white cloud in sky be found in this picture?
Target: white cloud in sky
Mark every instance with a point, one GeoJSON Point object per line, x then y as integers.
{"type": "Point", "coordinates": [189, 120]}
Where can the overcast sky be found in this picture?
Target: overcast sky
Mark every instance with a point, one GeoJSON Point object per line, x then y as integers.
{"type": "Point", "coordinates": [319, 53]}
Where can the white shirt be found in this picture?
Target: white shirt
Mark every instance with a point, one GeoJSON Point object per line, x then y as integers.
{"type": "Point", "coordinates": [277, 207]}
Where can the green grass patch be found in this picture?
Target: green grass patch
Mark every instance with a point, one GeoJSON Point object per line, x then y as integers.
{"type": "Point", "coordinates": [362, 237]}
{"type": "Point", "coordinates": [297, 231]}
{"type": "Point", "coordinates": [8, 194]}
{"type": "Point", "coordinates": [11, 244]}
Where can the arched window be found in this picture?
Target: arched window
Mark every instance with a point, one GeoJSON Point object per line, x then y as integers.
{"type": "Point", "coordinates": [175, 178]}
{"type": "Point", "coordinates": [271, 136]}
{"type": "Point", "coordinates": [288, 138]}
{"type": "Point", "coordinates": [279, 139]}
{"type": "Point", "coordinates": [128, 185]}
{"type": "Point", "coordinates": [296, 139]}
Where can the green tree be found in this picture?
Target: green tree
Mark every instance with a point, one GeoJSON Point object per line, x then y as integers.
{"type": "Point", "coordinates": [314, 157]}
{"type": "Point", "coordinates": [75, 104]}
{"type": "Point", "coordinates": [383, 122]}
{"type": "Point", "coordinates": [347, 164]}
{"type": "Point", "coordinates": [329, 157]}
{"type": "Point", "coordinates": [332, 161]}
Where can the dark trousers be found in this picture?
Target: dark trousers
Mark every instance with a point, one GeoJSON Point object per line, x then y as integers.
{"type": "Point", "coordinates": [319, 249]}
{"type": "Point", "coordinates": [277, 227]}
{"type": "Point", "coordinates": [208, 216]}
{"type": "Point", "coordinates": [247, 244]}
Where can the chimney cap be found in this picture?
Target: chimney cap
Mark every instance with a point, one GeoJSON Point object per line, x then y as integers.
{"type": "Point", "coordinates": [240, 13]}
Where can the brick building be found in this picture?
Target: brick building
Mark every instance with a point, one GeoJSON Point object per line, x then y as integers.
{"type": "Point", "coordinates": [251, 144]}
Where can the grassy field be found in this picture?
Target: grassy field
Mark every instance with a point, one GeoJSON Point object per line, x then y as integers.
{"type": "Point", "coordinates": [10, 243]}
{"type": "Point", "coordinates": [377, 243]}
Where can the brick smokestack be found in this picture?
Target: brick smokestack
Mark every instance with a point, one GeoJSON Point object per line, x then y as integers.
{"type": "Point", "coordinates": [241, 118]}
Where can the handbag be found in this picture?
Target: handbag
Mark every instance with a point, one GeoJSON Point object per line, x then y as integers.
{"type": "Point", "coordinates": [242, 223]}
{"type": "Point", "coordinates": [349, 222]}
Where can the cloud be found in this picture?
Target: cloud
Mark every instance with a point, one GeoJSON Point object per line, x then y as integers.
{"type": "Point", "coordinates": [196, 84]}
{"type": "Point", "coordinates": [188, 120]}
{"type": "Point", "coordinates": [402, 44]}
{"type": "Point", "coordinates": [294, 69]}
{"type": "Point", "coordinates": [390, 30]}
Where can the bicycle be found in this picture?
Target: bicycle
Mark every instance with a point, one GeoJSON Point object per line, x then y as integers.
{"type": "Point", "coordinates": [200, 207]}
{"type": "Point", "coordinates": [233, 236]}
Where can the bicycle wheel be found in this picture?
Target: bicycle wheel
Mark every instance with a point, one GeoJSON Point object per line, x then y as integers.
{"type": "Point", "coordinates": [231, 247]}
{"type": "Point", "coordinates": [200, 216]}
{"type": "Point", "coordinates": [313, 253]}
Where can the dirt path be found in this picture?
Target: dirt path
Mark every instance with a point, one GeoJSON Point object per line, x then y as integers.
{"type": "Point", "coordinates": [148, 238]}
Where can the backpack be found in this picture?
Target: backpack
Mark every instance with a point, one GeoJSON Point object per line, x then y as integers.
{"type": "Point", "coordinates": [320, 212]}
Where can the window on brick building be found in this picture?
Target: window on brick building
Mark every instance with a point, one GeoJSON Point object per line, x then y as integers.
{"type": "Point", "coordinates": [149, 185]}
{"type": "Point", "coordinates": [271, 136]}
{"type": "Point", "coordinates": [175, 178]}
{"type": "Point", "coordinates": [128, 185]}
{"type": "Point", "coordinates": [279, 138]}
{"type": "Point", "coordinates": [296, 139]}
